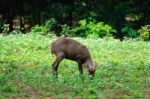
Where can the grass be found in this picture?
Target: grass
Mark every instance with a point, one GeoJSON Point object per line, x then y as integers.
{"type": "Point", "coordinates": [123, 69]}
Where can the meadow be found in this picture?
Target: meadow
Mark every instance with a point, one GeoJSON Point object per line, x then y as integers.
{"type": "Point", "coordinates": [123, 69]}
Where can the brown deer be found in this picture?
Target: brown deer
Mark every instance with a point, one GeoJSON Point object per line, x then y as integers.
{"type": "Point", "coordinates": [70, 49]}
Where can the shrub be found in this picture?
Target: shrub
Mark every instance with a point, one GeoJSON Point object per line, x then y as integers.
{"type": "Point", "coordinates": [86, 29]}
{"type": "Point", "coordinates": [39, 29]}
{"type": "Point", "coordinates": [145, 32]}
{"type": "Point", "coordinates": [65, 29]}
{"type": "Point", "coordinates": [129, 32]}
{"type": "Point", "coordinates": [45, 28]}
{"type": "Point", "coordinates": [5, 28]}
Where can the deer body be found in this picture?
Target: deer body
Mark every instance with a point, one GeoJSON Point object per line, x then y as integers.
{"type": "Point", "coordinates": [70, 49]}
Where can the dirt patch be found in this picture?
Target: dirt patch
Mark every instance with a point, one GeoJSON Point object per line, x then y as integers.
{"type": "Point", "coordinates": [147, 93]}
{"type": "Point", "coordinates": [119, 95]}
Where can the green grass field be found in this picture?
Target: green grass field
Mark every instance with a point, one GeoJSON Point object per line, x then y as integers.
{"type": "Point", "coordinates": [123, 69]}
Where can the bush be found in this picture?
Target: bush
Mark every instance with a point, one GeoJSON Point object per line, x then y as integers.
{"type": "Point", "coordinates": [86, 29]}
{"type": "Point", "coordinates": [45, 28]}
{"type": "Point", "coordinates": [128, 31]}
{"type": "Point", "coordinates": [145, 32]}
{"type": "Point", "coordinates": [5, 28]}
{"type": "Point", "coordinates": [65, 29]}
{"type": "Point", "coordinates": [39, 30]}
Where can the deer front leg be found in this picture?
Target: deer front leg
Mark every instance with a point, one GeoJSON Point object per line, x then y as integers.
{"type": "Point", "coordinates": [80, 67]}
{"type": "Point", "coordinates": [55, 65]}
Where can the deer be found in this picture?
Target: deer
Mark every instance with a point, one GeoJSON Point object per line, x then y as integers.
{"type": "Point", "coordinates": [67, 48]}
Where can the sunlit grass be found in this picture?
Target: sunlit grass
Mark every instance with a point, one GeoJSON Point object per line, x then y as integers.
{"type": "Point", "coordinates": [123, 69]}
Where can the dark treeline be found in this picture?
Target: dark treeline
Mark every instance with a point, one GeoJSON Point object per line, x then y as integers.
{"type": "Point", "coordinates": [27, 13]}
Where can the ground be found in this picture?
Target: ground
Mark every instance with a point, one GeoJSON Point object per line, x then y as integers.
{"type": "Point", "coordinates": [123, 69]}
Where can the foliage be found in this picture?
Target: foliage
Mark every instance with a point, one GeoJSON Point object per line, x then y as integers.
{"type": "Point", "coordinates": [84, 29]}
{"type": "Point", "coordinates": [98, 29]}
{"type": "Point", "coordinates": [44, 29]}
{"type": "Point", "coordinates": [130, 32]}
{"type": "Point", "coordinates": [36, 12]}
{"type": "Point", "coordinates": [39, 29]}
{"type": "Point", "coordinates": [5, 28]}
{"type": "Point", "coordinates": [25, 69]}
{"type": "Point", "coordinates": [65, 29]}
{"type": "Point", "coordinates": [145, 32]}
{"type": "Point", "coordinates": [50, 23]}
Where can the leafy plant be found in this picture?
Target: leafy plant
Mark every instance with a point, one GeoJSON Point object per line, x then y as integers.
{"type": "Point", "coordinates": [145, 32]}
{"type": "Point", "coordinates": [51, 23]}
{"type": "Point", "coordinates": [39, 29]}
{"type": "Point", "coordinates": [65, 29]}
{"type": "Point", "coordinates": [130, 32]}
{"type": "Point", "coordinates": [5, 28]}
{"type": "Point", "coordinates": [99, 29]}
{"type": "Point", "coordinates": [44, 29]}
